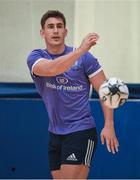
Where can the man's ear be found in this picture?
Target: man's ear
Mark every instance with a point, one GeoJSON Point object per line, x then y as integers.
{"type": "Point", "coordinates": [66, 32]}
{"type": "Point", "coordinates": [42, 33]}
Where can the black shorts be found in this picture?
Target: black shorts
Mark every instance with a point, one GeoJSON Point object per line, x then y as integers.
{"type": "Point", "coordinates": [74, 148]}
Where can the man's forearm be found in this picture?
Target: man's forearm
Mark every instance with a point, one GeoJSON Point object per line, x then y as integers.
{"type": "Point", "coordinates": [63, 63]}
{"type": "Point", "coordinates": [108, 116]}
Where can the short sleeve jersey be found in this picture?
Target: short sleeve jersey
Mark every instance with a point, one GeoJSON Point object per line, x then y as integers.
{"type": "Point", "coordinates": [66, 96]}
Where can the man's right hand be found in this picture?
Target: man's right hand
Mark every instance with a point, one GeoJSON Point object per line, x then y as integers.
{"type": "Point", "coordinates": [89, 41]}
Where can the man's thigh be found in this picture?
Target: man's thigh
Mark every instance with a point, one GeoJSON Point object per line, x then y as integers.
{"type": "Point", "coordinates": [56, 174]}
{"type": "Point", "coordinates": [69, 171]}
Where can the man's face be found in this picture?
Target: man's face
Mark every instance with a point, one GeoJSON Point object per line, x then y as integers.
{"type": "Point", "coordinates": [54, 31]}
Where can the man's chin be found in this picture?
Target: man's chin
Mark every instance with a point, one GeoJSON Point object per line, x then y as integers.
{"type": "Point", "coordinates": [56, 43]}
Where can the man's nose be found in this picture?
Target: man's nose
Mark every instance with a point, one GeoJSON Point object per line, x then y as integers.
{"type": "Point", "coordinates": [55, 29]}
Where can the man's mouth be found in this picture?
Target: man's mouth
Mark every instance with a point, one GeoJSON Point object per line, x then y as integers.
{"type": "Point", "coordinates": [56, 37]}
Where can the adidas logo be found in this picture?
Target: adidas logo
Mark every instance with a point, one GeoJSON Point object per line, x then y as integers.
{"type": "Point", "coordinates": [72, 157]}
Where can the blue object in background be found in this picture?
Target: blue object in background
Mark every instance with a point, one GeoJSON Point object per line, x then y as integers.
{"type": "Point", "coordinates": [126, 163]}
{"type": "Point", "coordinates": [24, 141]}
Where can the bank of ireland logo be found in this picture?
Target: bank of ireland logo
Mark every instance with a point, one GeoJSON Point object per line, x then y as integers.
{"type": "Point", "coordinates": [62, 80]}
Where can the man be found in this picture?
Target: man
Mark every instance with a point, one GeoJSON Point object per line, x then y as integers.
{"type": "Point", "coordinates": [63, 75]}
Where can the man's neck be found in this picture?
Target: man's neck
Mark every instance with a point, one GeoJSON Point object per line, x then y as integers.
{"type": "Point", "coordinates": [56, 49]}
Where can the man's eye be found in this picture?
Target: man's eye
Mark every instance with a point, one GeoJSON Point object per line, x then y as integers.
{"type": "Point", "coordinates": [59, 26]}
{"type": "Point", "coordinates": [50, 27]}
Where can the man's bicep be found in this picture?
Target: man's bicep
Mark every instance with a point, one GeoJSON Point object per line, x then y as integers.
{"type": "Point", "coordinates": [39, 68]}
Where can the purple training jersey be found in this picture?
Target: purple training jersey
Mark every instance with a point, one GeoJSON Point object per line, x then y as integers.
{"type": "Point", "coordinates": [66, 96]}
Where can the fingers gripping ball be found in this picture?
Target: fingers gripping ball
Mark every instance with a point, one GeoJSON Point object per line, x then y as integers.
{"type": "Point", "coordinates": [113, 92]}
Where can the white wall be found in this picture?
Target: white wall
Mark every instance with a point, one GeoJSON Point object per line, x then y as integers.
{"type": "Point", "coordinates": [19, 33]}
{"type": "Point", "coordinates": [116, 21]}
{"type": "Point", "coordinates": [118, 24]}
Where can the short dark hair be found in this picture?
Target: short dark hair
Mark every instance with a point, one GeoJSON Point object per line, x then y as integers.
{"type": "Point", "coordinates": [52, 13]}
